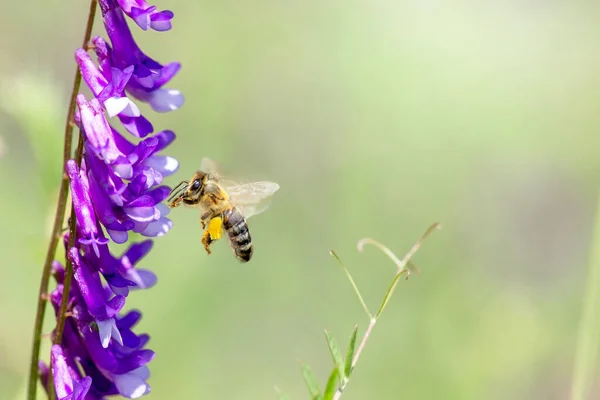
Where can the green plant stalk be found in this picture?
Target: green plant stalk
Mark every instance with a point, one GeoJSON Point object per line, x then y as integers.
{"type": "Point", "coordinates": [58, 219]}
{"type": "Point", "coordinates": [401, 269]}
{"type": "Point", "coordinates": [589, 326]}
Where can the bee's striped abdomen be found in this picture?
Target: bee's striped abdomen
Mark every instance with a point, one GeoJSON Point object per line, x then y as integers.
{"type": "Point", "coordinates": [236, 227]}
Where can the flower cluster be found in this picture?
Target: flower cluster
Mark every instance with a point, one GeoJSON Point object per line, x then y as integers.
{"type": "Point", "coordinates": [116, 189]}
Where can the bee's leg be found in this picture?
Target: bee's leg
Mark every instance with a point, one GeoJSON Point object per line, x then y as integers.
{"type": "Point", "coordinates": [176, 195]}
{"type": "Point", "coordinates": [175, 203]}
{"type": "Point", "coordinates": [206, 241]}
{"type": "Point", "coordinates": [205, 217]}
{"type": "Point", "coordinates": [212, 233]}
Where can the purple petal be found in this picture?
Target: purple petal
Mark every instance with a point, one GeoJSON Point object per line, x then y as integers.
{"type": "Point", "coordinates": [138, 126]}
{"type": "Point", "coordinates": [121, 105]}
{"type": "Point", "coordinates": [124, 145]}
{"type": "Point", "coordinates": [143, 278]}
{"type": "Point", "coordinates": [103, 358]}
{"type": "Point", "coordinates": [81, 388]}
{"type": "Point", "coordinates": [119, 78]}
{"type": "Point", "coordinates": [122, 168]}
{"type": "Point", "coordinates": [86, 218]}
{"type": "Point", "coordinates": [131, 341]}
{"type": "Point", "coordinates": [67, 382]}
{"type": "Point", "coordinates": [158, 227]}
{"type": "Point", "coordinates": [130, 319]}
{"type": "Point", "coordinates": [97, 129]}
{"type": "Point", "coordinates": [142, 17]}
{"type": "Point", "coordinates": [140, 209]}
{"type": "Point", "coordinates": [138, 185]}
{"type": "Point", "coordinates": [158, 195]}
{"type": "Point", "coordinates": [90, 73]}
{"type": "Point", "coordinates": [103, 181]}
{"type": "Point", "coordinates": [165, 165]}
{"type": "Point", "coordinates": [134, 360]}
{"type": "Point", "coordinates": [131, 385]}
{"type": "Point", "coordinates": [143, 150]}
{"type": "Point", "coordinates": [90, 286]}
{"type": "Point", "coordinates": [162, 100]}
{"type": "Point", "coordinates": [161, 21]}
{"type": "Point", "coordinates": [165, 138]}
{"type": "Point", "coordinates": [117, 236]}
{"type": "Point", "coordinates": [147, 83]}
{"type": "Point", "coordinates": [166, 74]}
{"type": "Point", "coordinates": [108, 329]}
{"type": "Point", "coordinates": [120, 290]}
{"type": "Point", "coordinates": [63, 382]}
{"type": "Point", "coordinates": [125, 51]}
{"type": "Point", "coordinates": [136, 252]}
{"type": "Point", "coordinates": [146, 16]}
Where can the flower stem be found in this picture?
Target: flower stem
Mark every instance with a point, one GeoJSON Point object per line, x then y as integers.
{"type": "Point", "coordinates": [58, 219]}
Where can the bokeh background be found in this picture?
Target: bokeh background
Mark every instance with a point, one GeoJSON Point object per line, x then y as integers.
{"type": "Point", "coordinates": [377, 118]}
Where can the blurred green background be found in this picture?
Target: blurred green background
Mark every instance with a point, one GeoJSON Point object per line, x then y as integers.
{"type": "Point", "coordinates": [377, 118]}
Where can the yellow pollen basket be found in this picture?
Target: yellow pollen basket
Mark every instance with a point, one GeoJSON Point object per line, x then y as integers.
{"type": "Point", "coordinates": [215, 228]}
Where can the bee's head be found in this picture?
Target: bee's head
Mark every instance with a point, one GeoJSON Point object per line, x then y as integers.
{"type": "Point", "coordinates": [188, 192]}
{"type": "Point", "coordinates": [195, 186]}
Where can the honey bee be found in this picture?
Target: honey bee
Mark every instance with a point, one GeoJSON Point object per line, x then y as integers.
{"type": "Point", "coordinates": [226, 206]}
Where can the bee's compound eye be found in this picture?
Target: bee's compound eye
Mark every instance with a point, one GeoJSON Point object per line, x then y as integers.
{"type": "Point", "coordinates": [196, 185]}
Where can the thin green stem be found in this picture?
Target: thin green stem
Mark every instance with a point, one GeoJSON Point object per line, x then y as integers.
{"type": "Point", "coordinates": [360, 298]}
{"type": "Point", "coordinates": [58, 219]}
{"type": "Point", "coordinates": [586, 355]}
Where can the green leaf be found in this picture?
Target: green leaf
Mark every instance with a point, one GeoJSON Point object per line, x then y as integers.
{"type": "Point", "coordinates": [389, 292]}
{"type": "Point", "coordinates": [336, 354]}
{"type": "Point", "coordinates": [311, 382]}
{"type": "Point", "coordinates": [331, 387]}
{"type": "Point", "coordinates": [350, 352]}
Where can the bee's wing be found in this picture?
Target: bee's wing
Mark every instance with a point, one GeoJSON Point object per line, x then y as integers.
{"type": "Point", "coordinates": [252, 198]}
{"type": "Point", "coordinates": [209, 166]}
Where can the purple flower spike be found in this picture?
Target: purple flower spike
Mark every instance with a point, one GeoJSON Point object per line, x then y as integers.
{"type": "Point", "coordinates": [117, 188]}
{"type": "Point", "coordinates": [67, 382]}
{"type": "Point", "coordinates": [146, 16]}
